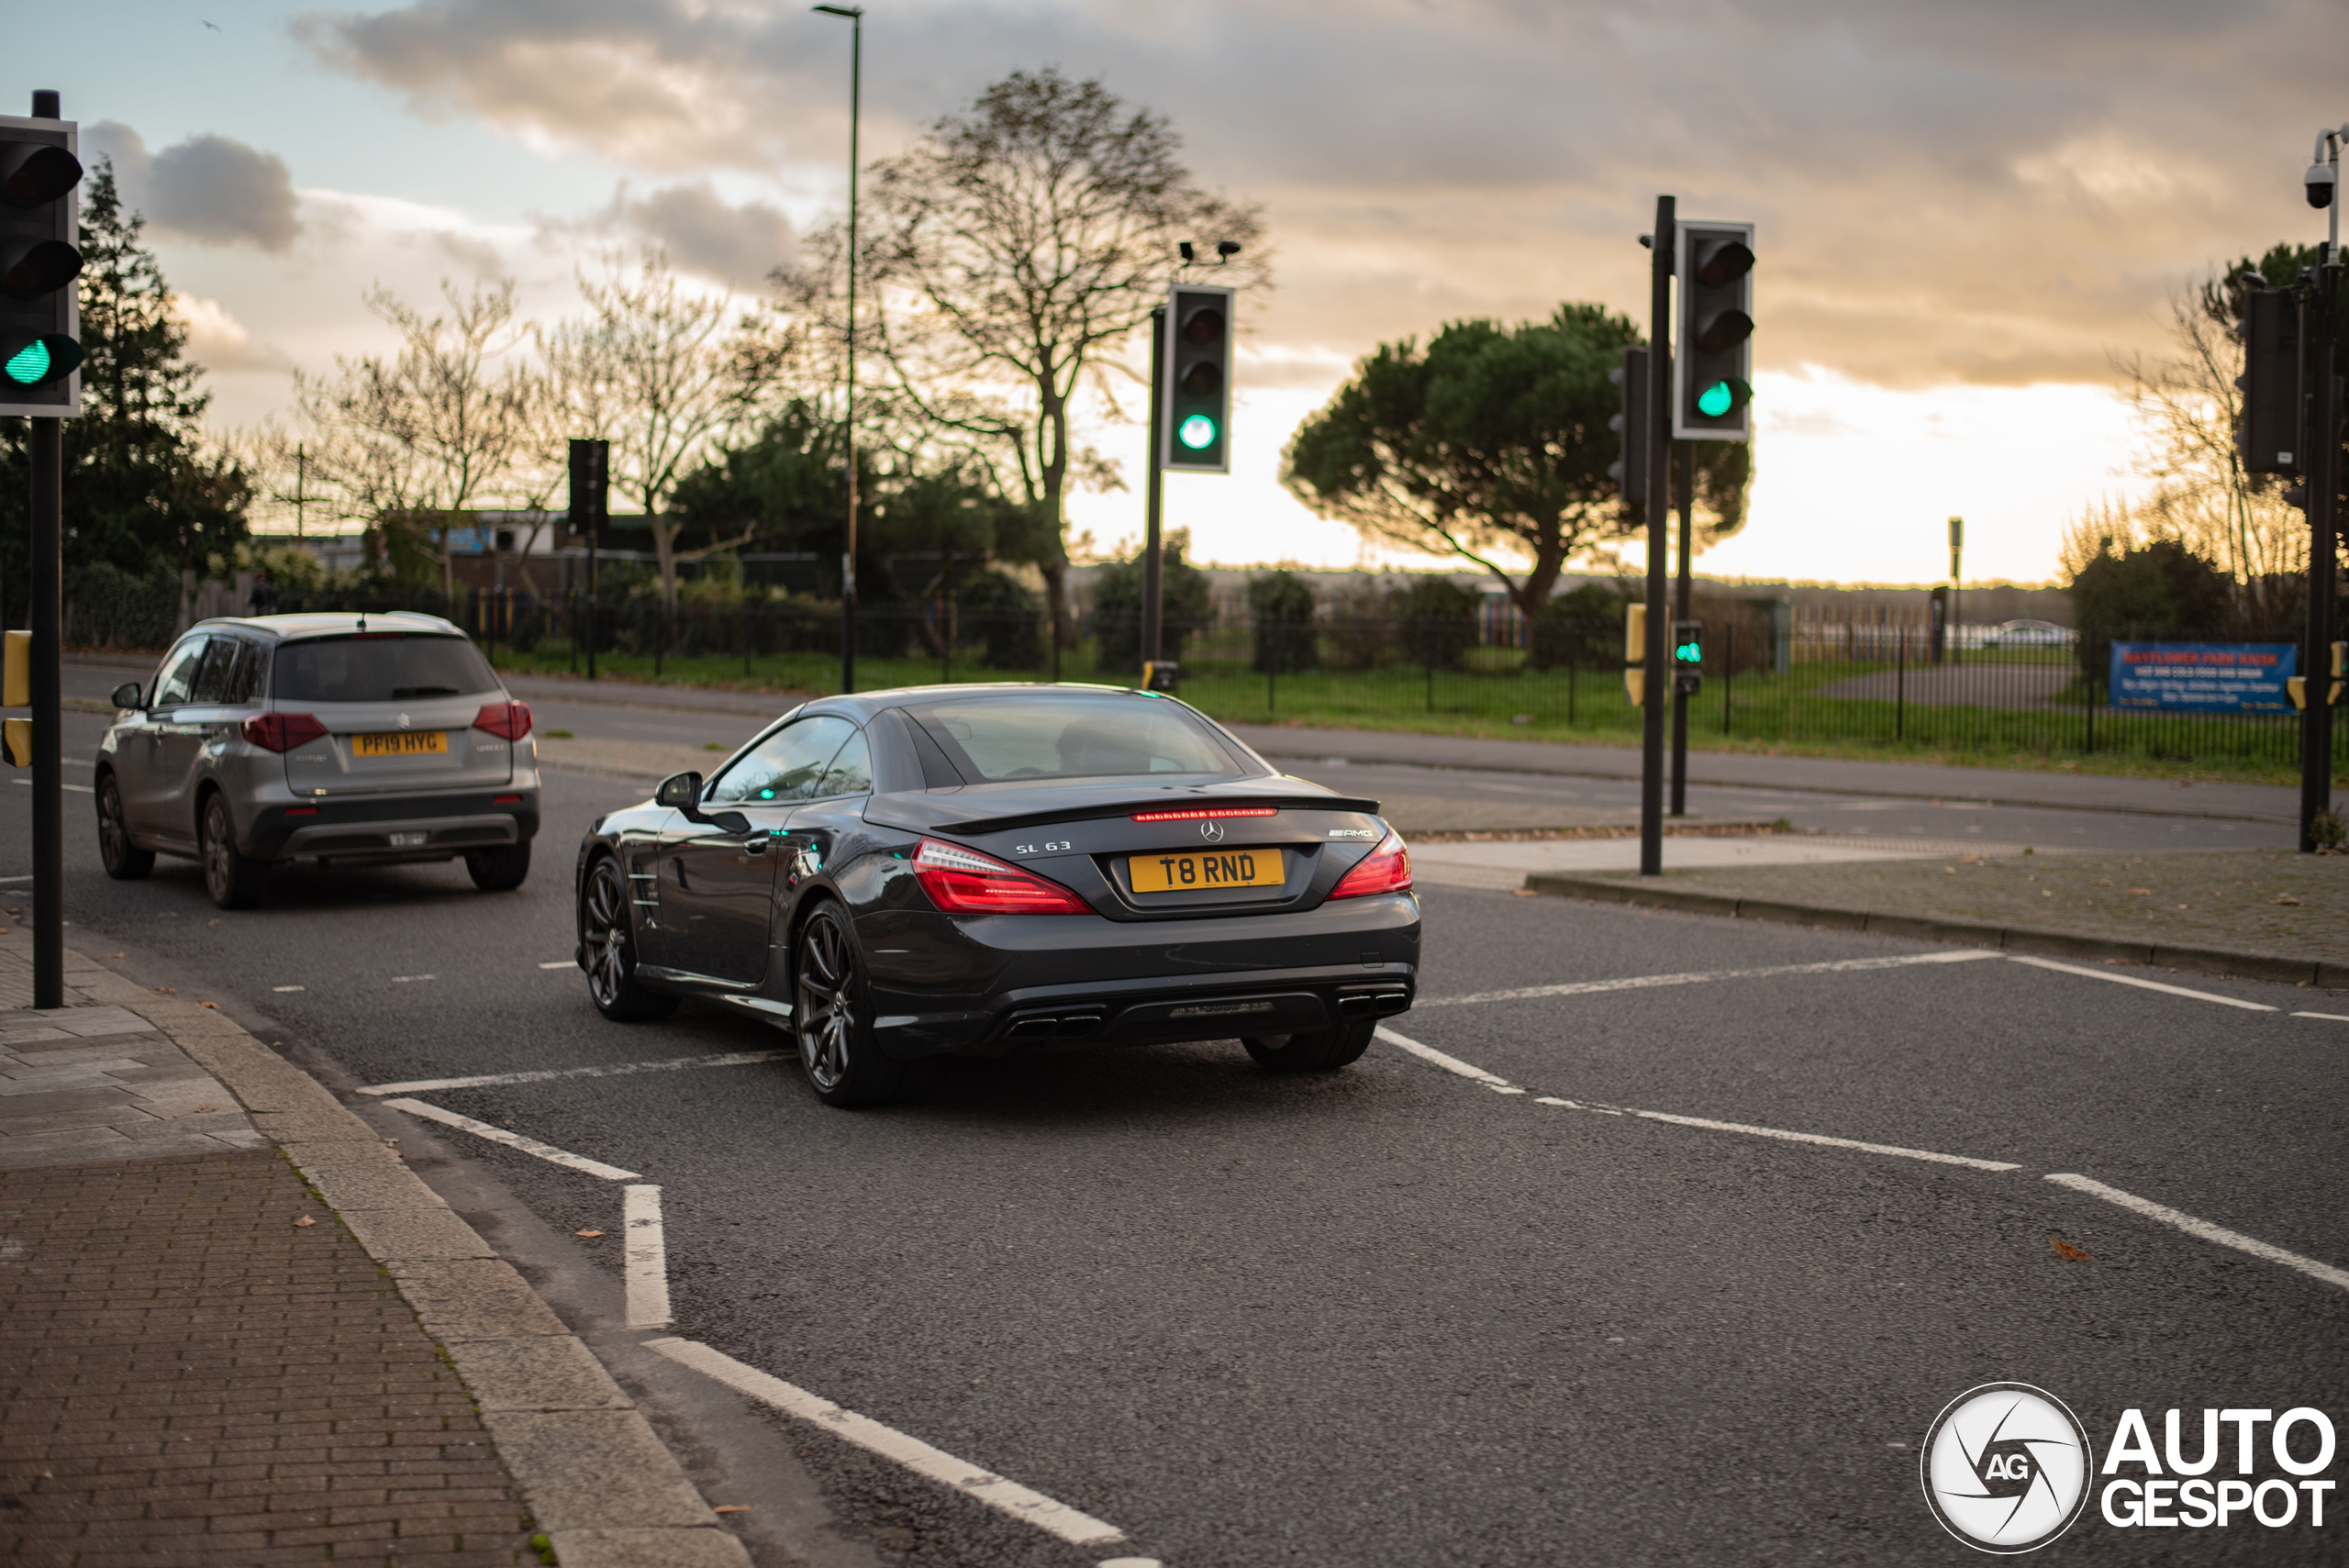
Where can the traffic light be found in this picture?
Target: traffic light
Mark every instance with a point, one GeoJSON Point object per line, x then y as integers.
{"type": "Point", "coordinates": [1687, 656]}
{"type": "Point", "coordinates": [1712, 371]}
{"type": "Point", "coordinates": [1630, 472]}
{"type": "Point", "coordinates": [2267, 436]}
{"type": "Point", "coordinates": [40, 317]}
{"type": "Point", "coordinates": [17, 691]}
{"type": "Point", "coordinates": [1635, 654]}
{"type": "Point", "coordinates": [1197, 394]}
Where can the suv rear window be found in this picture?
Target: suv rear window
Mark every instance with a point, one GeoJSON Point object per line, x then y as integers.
{"type": "Point", "coordinates": [380, 666]}
{"type": "Point", "coordinates": [1004, 739]}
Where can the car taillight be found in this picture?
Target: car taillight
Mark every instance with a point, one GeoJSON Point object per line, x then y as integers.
{"type": "Point", "coordinates": [507, 720]}
{"type": "Point", "coordinates": [1386, 869]}
{"type": "Point", "coordinates": [281, 731]}
{"type": "Point", "coordinates": [965, 882]}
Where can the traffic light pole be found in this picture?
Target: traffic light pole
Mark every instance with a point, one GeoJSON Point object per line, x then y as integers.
{"type": "Point", "coordinates": [1153, 582]}
{"type": "Point", "coordinates": [2324, 491]}
{"type": "Point", "coordinates": [49, 795]}
{"type": "Point", "coordinates": [1659, 454]}
{"type": "Point", "coordinates": [1683, 457]}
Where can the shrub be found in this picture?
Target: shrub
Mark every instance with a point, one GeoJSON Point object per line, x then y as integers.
{"type": "Point", "coordinates": [1280, 605]}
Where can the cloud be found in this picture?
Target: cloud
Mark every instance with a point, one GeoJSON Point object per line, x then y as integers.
{"type": "Point", "coordinates": [2002, 192]}
{"type": "Point", "coordinates": [210, 189]}
{"type": "Point", "coordinates": [218, 341]}
{"type": "Point", "coordinates": [737, 245]}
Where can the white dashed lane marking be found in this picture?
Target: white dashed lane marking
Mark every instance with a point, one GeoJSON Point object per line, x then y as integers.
{"type": "Point", "coordinates": [648, 1257]}
{"type": "Point", "coordinates": [546, 1152]}
{"type": "Point", "coordinates": [2203, 1229]}
{"type": "Point", "coordinates": [1019, 1502]}
{"type": "Point", "coordinates": [547, 1074]}
{"type": "Point", "coordinates": [1653, 982]}
{"type": "Point", "coordinates": [2142, 985]}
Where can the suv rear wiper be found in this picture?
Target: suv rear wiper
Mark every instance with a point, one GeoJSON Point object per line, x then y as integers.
{"type": "Point", "coordinates": [424, 692]}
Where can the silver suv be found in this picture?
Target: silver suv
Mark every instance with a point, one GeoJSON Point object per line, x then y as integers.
{"type": "Point", "coordinates": [358, 739]}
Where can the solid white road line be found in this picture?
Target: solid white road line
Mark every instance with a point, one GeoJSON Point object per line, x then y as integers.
{"type": "Point", "coordinates": [2336, 1017]}
{"type": "Point", "coordinates": [1904, 1153]}
{"type": "Point", "coordinates": [1031, 1507]}
{"type": "Point", "coordinates": [410, 979]}
{"type": "Point", "coordinates": [546, 1152]}
{"type": "Point", "coordinates": [1649, 982]}
{"type": "Point", "coordinates": [289, 988]}
{"type": "Point", "coordinates": [27, 877]}
{"type": "Point", "coordinates": [2142, 985]}
{"type": "Point", "coordinates": [1478, 1075]}
{"type": "Point", "coordinates": [1449, 1063]}
{"type": "Point", "coordinates": [2202, 1227]}
{"type": "Point", "coordinates": [648, 1258]}
{"type": "Point", "coordinates": [547, 1074]}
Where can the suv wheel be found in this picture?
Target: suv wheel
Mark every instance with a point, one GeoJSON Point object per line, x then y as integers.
{"type": "Point", "coordinates": [125, 862]}
{"type": "Point", "coordinates": [610, 944]}
{"type": "Point", "coordinates": [500, 869]}
{"type": "Point", "coordinates": [1323, 1051]}
{"type": "Point", "coordinates": [233, 878]}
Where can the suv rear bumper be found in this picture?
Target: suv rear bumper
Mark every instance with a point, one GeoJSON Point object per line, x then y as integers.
{"type": "Point", "coordinates": [427, 827]}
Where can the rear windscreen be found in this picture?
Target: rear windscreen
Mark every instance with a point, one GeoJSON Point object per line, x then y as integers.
{"type": "Point", "coordinates": [380, 667]}
{"type": "Point", "coordinates": [1002, 741]}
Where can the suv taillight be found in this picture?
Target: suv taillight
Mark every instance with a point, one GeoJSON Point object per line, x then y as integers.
{"type": "Point", "coordinates": [507, 720]}
{"type": "Point", "coordinates": [281, 731]}
{"type": "Point", "coordinates": [1386, 869]}
{"type": "Point", "coordinates": [965, 882]}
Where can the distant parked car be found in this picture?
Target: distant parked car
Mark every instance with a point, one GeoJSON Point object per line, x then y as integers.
{"type": "Point", "coordinates": [353, 739]}
{"type": "Point", "coordinates": [2031, 634]}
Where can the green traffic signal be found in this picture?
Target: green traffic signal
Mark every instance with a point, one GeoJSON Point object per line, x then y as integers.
{"type": "Point", "coordinates": [1723, 397]}
{"type": "Point", "coordinates": [1198, 432]}
{"type": "Point", "coordinates": [1690, 653]}
{"type": "Point", "coordinates": [42, 359]}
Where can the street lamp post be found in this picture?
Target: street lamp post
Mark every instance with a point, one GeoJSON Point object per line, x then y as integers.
{"type": "Point", "coordinates": [855, 15]}
{"type": "Point", "coordinates": [1956, 549]}
{"type": "Point", "coordinates": [2321, 479]}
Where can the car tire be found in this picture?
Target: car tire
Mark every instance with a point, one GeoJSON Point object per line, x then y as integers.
{"type": "Point", "coordinates": [608, 939]}
{"type": "Point", "coordinates": [500, 869]}
{"type": "Point", "coordinates": [234, 879]}
{"type": "Point", "coordinates": [125, 862]}
{"type": "Point", "coordinates": [832, 1016]}
{"type": "Point", "coordinates": [1323, 1051]}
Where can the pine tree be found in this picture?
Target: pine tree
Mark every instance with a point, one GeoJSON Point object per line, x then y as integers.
{"type": "Point", "coordinates": [139, 488]}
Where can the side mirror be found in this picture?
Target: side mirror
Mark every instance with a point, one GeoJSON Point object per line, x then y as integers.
{"type": "Point", "coordinates": [127, 695]}
{"type": "Point", "coordinates": [679, 791]}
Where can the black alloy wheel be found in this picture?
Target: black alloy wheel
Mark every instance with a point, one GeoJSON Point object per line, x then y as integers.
{"type": "Point", "coordinates": [1323, 1051]}
{"type": "Point", "coordinates": [232, 877]}
{"type": "Point", "coordinates": [606, 938]}
{"type": "Point", "coordinates": [834, 1021]}
{"type": "Point", "coordinates": [500, 869]}
{"type": "Point", "coordinates": [125, 862]}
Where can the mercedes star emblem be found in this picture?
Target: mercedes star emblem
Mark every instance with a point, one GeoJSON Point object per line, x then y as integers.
{"type": "Point", "coordinates": [1211, 831]}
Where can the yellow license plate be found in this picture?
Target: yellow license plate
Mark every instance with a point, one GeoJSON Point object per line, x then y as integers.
{"type": "Point", "coordinates": [405, 743]}
{"type": "Point", "coordinates": [1192, 871]}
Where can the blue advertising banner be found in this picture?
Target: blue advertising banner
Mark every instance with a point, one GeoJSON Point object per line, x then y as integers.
{"type": "Point", "coordinates": [2204, 678]}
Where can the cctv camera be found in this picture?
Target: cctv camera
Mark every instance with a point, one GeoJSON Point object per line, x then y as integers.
{"type": "Point", "coordinates": [1226, 247]}
{"type": "Point", "coordinates": [2319, 181]}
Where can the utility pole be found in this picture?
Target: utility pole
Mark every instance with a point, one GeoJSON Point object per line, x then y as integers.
{"type": "Point", "coordinates": [855, 15]}
{"type": "Point", "coordinates": [1661, 246]}
{"type": "Point", "coordinates": [1685, 459]}
{"type": "Point", "coordinates": [1153, 605]}
{"type": "Point", "coordinates": [2321, 316]}
{"type": "Point", "coordinates": [1956, 549]}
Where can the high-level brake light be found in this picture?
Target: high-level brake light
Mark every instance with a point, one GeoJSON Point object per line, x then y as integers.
{"type": "Point", "coordinates": [1194, 813]}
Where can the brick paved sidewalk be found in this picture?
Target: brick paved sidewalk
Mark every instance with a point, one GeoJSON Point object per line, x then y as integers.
{"type": "Point", "coordinates": [193, 1376]}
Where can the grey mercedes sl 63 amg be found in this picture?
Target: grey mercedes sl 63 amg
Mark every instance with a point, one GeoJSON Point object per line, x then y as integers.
{"type": "Point", "coordinates": [983, 870]}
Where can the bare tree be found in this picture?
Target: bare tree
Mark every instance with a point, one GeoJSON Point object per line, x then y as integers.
{"type": "Point", "coordinates": [664, 373]}
{"type": "Point", "coordinates": [422, 436]}
{"type": "Point", "coordinates": [1012, 253]}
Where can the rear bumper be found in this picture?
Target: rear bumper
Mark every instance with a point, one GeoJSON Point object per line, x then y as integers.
{"type": "Point", "coordinates": [1019, 984]}
{"type": "Point", "coordinates": [424, 825]}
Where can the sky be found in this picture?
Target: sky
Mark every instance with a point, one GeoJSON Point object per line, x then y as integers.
{"type": "Point", "coordinates": [1967, 212]}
